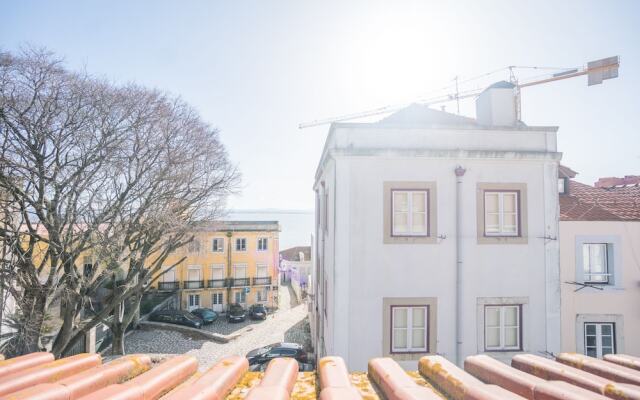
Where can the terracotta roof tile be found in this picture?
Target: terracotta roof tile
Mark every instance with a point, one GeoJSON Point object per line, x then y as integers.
{"type": "Point", "coordinates": [588, 203]}
{"type": "Point", "coordinates": [572, 376]}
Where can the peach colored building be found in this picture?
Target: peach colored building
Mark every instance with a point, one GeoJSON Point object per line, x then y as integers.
{"type": "Point", "coordinates": [600, 266]}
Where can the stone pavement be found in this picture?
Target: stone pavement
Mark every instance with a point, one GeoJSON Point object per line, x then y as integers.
{"type": "Point", "coordinates": [289, 324]}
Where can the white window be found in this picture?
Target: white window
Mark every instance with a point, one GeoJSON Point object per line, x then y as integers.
{"type": "Point", "coordinates": [217, 245]}
{"type": "Point", "coordinates": [410, 212]}
{"type": "Point", "coordinates": [169, 274]}
{"type": "Point", "coordinates": [193, 273]}
{"type": "Point", "coordinates": [501, 213]}
{"type": "Point", "coordinates": [502, 327]}
{"type": "Point", "coordinates": [598, 339]}
{"type": "Point", "coordinates": [241, 244]}
{"type": "Point", "coordinates": [216, 298]}
{"type": "Point", "coordinates": [241, 297]}
{"type": "Point", "coordinates": [262, 271]}
{"type": "Point", "coordinates": [562, 185]}
{"type": "Point", "coordinates": [194, 301]}
{"type": "Point", "coordinates": [194, 246]}
{"type": "Point", "coordinates": [409, 329]}
{"type": "Point", "coordinates": [595, 263]}
{"type": "Point", "coordinates": [239, 271]}
{"type": "Point", "coordinates": [261, 295]}
{"type": "Point", "coordinates": [262, 244]}
{"type": "Point", "coordinates": [217, 272]}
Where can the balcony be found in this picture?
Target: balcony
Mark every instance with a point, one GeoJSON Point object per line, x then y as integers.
{"type": "Point", "coordinates": [238, 282]}
{"type": "Point", "coordinates": [216, 283]}
{"type": "Point", "coordinates": [168, 285]}
{"type": "Point", "coordinates": [266, 280]}
{"type": "Point", "coordinates": [193, 284]}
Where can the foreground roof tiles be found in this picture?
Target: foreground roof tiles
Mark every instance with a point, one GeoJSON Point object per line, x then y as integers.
{"type": "Point", "coordinates": [139, 377]}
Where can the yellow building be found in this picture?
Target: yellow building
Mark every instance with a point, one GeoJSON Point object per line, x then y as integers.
{"type": "Point", "coordinates": [227, 262]}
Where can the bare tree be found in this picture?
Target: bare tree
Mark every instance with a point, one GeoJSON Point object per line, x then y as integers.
{"type": "Point", "coordinates": [118, 173]}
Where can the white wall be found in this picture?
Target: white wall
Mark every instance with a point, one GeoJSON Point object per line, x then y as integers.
{"type": "Point", "coordinates": [365, 270]}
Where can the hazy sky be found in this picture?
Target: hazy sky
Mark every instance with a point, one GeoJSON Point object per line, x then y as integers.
{"type": "Point", "coordinates": [255, 69]}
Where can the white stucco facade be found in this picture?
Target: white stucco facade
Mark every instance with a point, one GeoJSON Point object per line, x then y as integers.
{"type": "Point", "coordinates": [360, 272]}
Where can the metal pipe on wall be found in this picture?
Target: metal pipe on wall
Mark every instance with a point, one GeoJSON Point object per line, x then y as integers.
{"type": "Point", "coordinates": [459, 171]}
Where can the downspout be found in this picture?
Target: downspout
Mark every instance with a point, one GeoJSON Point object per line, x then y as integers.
{"type": "Point", "coordinates": [459, 171]}
{"type": "Point", "coordinates": [229, 270]}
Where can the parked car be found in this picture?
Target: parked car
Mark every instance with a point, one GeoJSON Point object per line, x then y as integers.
{"type": "Point", "coordinates": [302, 367]}
{"type": "Point", "coordinates": [236, 313]}
{"type": "Point", "coordinates": [207, 315]}
{"type": "Point", "coordinates": [265, 354]}
{"type": "Point", "coordinates": [258, 311]}
{"type": "Point", "coordinates": [178, 317]}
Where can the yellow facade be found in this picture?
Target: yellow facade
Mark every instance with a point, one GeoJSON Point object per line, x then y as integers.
{"type": "Point", "coordinates": [228, 262]}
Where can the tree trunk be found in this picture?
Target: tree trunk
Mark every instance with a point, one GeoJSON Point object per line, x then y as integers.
{"type": "Point", "coordinates": [118, 331]}
{"type": "Point", "coordinates": [33, 309]}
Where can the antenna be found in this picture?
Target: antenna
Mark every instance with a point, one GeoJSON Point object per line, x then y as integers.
{"type": "Point", "coordinates": [597, 71]}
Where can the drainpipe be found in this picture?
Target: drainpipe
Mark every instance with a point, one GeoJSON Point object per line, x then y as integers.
{"type": "Point", "coordinates": [229, 269]}
{"type": "Point", "coordinates": [459, 171]}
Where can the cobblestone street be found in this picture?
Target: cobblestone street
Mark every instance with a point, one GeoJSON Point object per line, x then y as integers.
{"type": "Point", "coordinates": [289, 323]}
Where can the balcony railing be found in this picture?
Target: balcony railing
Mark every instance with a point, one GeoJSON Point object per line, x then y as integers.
{"type": "Point", "coordinates": [168, 285]}
{"type": "Point", "coordinates": [240, 282]}
{"type": "Point", "coordinates": [193, 284]}
{"type": "Point", "coordinates": [264, 280]}
{"type": "Point", "coordinates": [216, 283]}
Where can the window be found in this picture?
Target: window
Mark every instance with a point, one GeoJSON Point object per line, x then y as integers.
{"type": "Point", "coordinates": [239, 271]}
{"type": "Point", "coordinates": [217, 272]}
{"type": "Point", "coordinates": [261, 295]}
{"type": "Point", "coordinates": [194, 246]}
{"type": "Point", "coordinates": [169, 275]}
{"type": "Point", "coordinates": [599, 339]}
{"type": "Point", "coordinates": [87, 266]}
{"type": "Point", "coordinates": [262, 271]}
{"type": "Point", "coordinates": [562, 185]}
{"type": "Point", "coordinates": [241, 297]}
{"type": "Point", "coordinates": [193, 273]}
{"type": "Point", "coordinates": [410, 212]}
{"type": "Point", "coordinates": [216, 298]}
{"type": "Point", "coordinates": [262, 244]}
{"type": "Point", "coordinates": [194, 301]}
{"type": "Point", "coordinates": [409, 329]}
{"type": "Point", "coordinates": [241, 244]}
{"type": "Point", "coordinates": [501, 213]}
{"type": "Point", "coordinates": [217, 245]}
{"type": "Point", "coordinates": [595, 263]}
{"type": "Point", "coordinates": [502, 327]}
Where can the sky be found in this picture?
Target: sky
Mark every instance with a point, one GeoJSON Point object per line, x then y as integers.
{"type": "Point", "coordinates": [256, 69]}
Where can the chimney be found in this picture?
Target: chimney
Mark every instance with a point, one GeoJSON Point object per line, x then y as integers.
{"type": "Point", "coordinates": [496, 105]}
{"type": "Point", "coordinates": [613, 181]}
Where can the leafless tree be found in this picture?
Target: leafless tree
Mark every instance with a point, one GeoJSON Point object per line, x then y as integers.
{"type": "Point", "coordinates": [89, 168]}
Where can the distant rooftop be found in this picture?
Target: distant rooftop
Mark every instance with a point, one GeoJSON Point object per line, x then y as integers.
{"type": "Point", "coordinates": [589, 203]}
{"type": "Point", "coordinates": [239, 226]}
{"type": "Point", "coordinates": [293, 254]}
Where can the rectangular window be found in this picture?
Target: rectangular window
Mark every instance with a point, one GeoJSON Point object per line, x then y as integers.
{"type": "Point", "coordinates": [87, 266]}
{"type": "Point", "coordinates": [241, 244]}
{"type": "Point", "coordinates": [410, 212]}
{"type": "Point", "coordinates": [216, 299]}
{"type": "Point", "coordinates": [409, 329]}
{"type": "Point", "coordinates": [262, 271]}
{"type": "Point", "coordinates": [217, 272]}
{"type": "Point", "coordinates": [169, 275]}
{"type": "Point", "coordinates": [261, 295]}
{"type": "Point", "coordinates": [217, 245]}
{"type": "Point", "coordinates": [562, 185]}
{"type": "Point", "coordinates": [502, 327]}
{"type": "Point", "coordinates": [194, 246]}
{"type": "Point", "coordinates": [501, 213]}
{"type": "Point", "coordinates": [241, 297]}
{"type": "Point", "coordinates": [239, 271]}
{"type": "Point", "coordinates": [595, 263]}
{"type": "Point", "coordinates": [599, 339]}
{"type": "Point", "coordinates": [193, 273]}
{"type": "Point", "coordinates": [194, 301]}
{"type": "Point", "coordinates": [262, 244]}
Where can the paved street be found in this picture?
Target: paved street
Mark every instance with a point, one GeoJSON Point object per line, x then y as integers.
{"type": "Point", "coordinates": [289, 324]}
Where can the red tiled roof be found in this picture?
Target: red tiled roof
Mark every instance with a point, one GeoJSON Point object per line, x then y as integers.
{"type": "Point", "coordinates": [588, 203]}
{"type": "Point", "coordinates": [135, 377]}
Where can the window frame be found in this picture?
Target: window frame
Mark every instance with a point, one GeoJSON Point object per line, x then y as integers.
{"type": "Point", "coordinates": [243, 296]}
{"type": "Point", "coordinates": [410, 350]}
{"type": "Point", "coordinates": [243, 240]}
{"type": "Point", "coordinates": [410, 212]}
{"type": "Point", "coordinates": [213, 267]}
{"type": "Point", "coordinates": [194, 296]}
{"type": "Point", "coordinates": [266, 268]}
{"type": "Point", "coordinates": [519, 336]}
{"type": "Point", "coordinates": [194, 246]}
{"type": "Point", "coordinates": [214, 295]}
{"type": "Point", "coordinates": [266, 243]}
{"type": "Point", "coordinates": [241, 265]}
{"type": "Point", "coordinates": [598, 336]}
{"type": "Point", "coordinates": [607, 274]}
{"type": "Point", "coordinates": [220, 249]}
{"type": "Point", "coordinates": [194, 267]}
{"type": "Point", "coordinates": [501, 213]}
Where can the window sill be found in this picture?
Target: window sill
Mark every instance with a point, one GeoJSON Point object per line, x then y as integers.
{"type": "Point", "coordinates": [502, 239]}
{"type": "Point", "coordinates": [410, 240]}
{"type": "Point", "coordinates": [409, 356]}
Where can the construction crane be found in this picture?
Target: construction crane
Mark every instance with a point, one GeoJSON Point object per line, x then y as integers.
{"type": "Point", "coordinates": [597, 71]}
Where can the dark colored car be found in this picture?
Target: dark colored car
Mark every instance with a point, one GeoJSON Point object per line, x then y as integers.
{"type": "Point", "coordinates": [207, 315]}
{"type": "Point", "coordinates": [302, 367]}
{"type": "Point", "coordinates": [268, 353]}
{"type": "Point", "coordinates": [236, 313]}
{"type": "Point", "coordinates": [177, 317]}
{"type": "Point", "coordinates": [258, 311]}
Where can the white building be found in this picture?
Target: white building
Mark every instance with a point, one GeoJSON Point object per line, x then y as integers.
{"type": "Point", "coordinates": [437, 233]}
